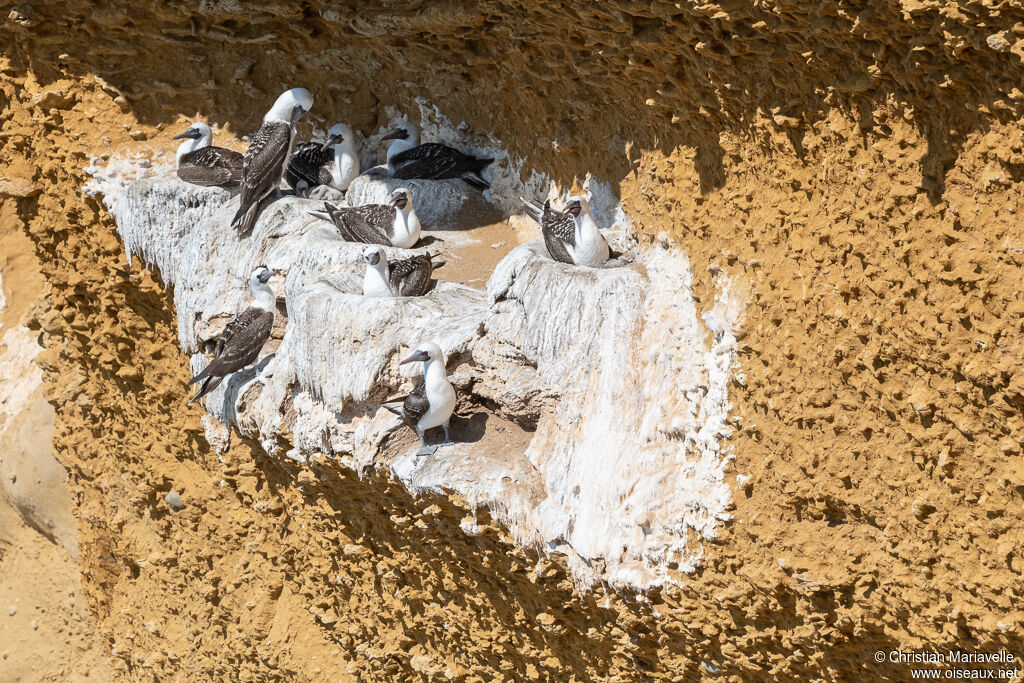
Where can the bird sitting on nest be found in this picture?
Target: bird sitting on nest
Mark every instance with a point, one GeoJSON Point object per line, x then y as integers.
{"type": "Point", "coordinates": [404, 277]}
{"type": "Point", "coordinates": [394, 224]}
{"type": "Point", "coordinates": [333, 164]}
{"type": "Point", "coordinates": [571, 236]}
{"type": "Point", "coordinates": [200, 163]}
{"type": "Point", "coordinates": [408, 159]}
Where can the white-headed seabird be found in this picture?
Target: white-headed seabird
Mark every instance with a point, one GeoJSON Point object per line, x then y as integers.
{"type": "Point", "coordinates": [408, 159]}
{"type": "Point", "coordinates": [200, 163]}
{"type": "Point", "coordinates": [267, 157]}
{"type": "Point", "coordinates": [406, 277]}
{"type": "Point", "coordinates": [239, 344]}
{"type": "Point", "coordinates": [571, 236]}
{"type": "Point", "coordinates": [432, 402]}
{"type": "Point", "coordinates": [394, 224]}
{"type": "Point", "coordinates": [334, 163]}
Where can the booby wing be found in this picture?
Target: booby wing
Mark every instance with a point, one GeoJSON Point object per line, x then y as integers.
{"type": "Point", "coordinates": [237, 347]}
{"type": "Point", "coordinates": [559, 229]}
{"type": "Point", "coordinates": [415, 405]}
{"type": "Point", "coordinates": [262, 167]}
{"type": "Point", "coordinates": [211, 166]}
{"type": "Point", "coordinates": [307, 164]}
{"type": "Point", "coordinates": [369, 224]}
{"type": "Point", "coordinates": [411, 276]}
{"type": "Point", "coordinates": [434, 161]}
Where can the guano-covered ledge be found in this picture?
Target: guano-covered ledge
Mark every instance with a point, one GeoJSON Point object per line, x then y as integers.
{"type": "Point", "coordinates": [592, 414]}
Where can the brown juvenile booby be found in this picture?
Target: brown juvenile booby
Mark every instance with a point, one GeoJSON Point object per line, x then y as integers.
{"type": "Point", "coordinates": [267, 157]}
{"type": "Point", "coordinates": [394, 224]}
{"type": "Point", "coordinates": [405, 277]}
{"type": "Point", "coordinates": [200, 163]}
{"type": "Point", "coordinates": [432, 401]}
{"type": "Point", "coordinates": [334, 163]}
{"type": "Point", "coordinates": [408, 159]}
{"type": "Point", "coordinates": [571, 236]}
{"type": "Point", "coordinates": [239, 344]}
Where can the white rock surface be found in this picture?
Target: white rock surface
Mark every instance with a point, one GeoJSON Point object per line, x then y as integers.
{"type": "Point", "coordinates": [625, 384]}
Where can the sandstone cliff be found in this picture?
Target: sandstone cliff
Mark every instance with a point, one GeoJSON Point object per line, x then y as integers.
{"type": "Point", "coordinates": [854, 170]}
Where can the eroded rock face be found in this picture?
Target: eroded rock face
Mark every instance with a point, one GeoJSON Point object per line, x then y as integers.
{"type": "Point", "coordinates": [608, 368]}
{"type": "Point", "coordinates": [857, 167]}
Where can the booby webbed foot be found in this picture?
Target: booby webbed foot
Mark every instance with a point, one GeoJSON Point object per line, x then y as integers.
{"type": "Point", "coordinates": [447, 439]}
{"type": "Point", "coordinates": [427, 450]}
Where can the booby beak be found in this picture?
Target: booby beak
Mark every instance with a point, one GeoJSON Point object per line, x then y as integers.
{"type": "Point", "coordinates": [190, 133]}
{"type": "Point", "coordinates": [333, 140]}
{"type": "Point", "coordinates": [297, 114]}
{"type": "Point", "coordinates": [264, 277]}
{"type": "Point", "coordinates": [396, 134]}
{"type": "Point", "coordinates": [574, 209]}
{"type": "Point", "coordinates": [372, 259]}
{"type": "Point", "coordinates": [416, 356]}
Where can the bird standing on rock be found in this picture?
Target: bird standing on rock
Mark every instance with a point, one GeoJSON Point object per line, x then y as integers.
{"type": "Point", "coordinates": [408, 159]}
{"type": "Point", "coordinates": [200, 163]}
{"type": "Point", "coordinates": [394, 224]}
{"type": "Point", "coordinates": [432, 402]}
{"type": "Point", "coordinates": [334, 164]}
{"type": "Point", "coordinates": [266, 159]}
{"type": "Point", "coordinates": [571, 236]}
{"type": "Point", "coordinates": [405, 277]}
{"type": "Point", "coordinates": [240, 343]}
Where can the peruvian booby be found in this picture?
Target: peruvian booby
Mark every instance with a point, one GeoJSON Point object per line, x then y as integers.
{"type": "Point", "coordinates": [432, 402]}
{"type": "Point", "coordinates": [200, 163]}
{"type": "Point", "coordinates": [334, 163]}
{"type": "Point", "coordinates": [408, 159]}
{"type": "Point", "coordinates": [405, 277]}
{"type": "Point", "coordinates": [239, 344]}
{"type": "Point", "coordinates": [394, 224]}
{"type": "Point", "coordinates": [571, 236]}
{"type": "Point", "coordinates": [266, 159]}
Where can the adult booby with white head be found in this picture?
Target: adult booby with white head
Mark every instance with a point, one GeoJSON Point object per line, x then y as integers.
{"type": "Point", "coordinates": [240, 343]}
{"type": "Point", "coordinates": [432, 402]}
{"type": "Point", "coordinates": [200, 163]}
{"type": "Point", "coordinates": [334, 163]}
{"type": "Point", "coordinates": [394, 224]}
{"type": "Point", "coordinates": [266, 159]}
{"type": "Point", "coordinates": [408, 159]}
{"type": "Point", "coordinates": [571, 236]}
{"type": "Point", "coordinates": [404, 277]}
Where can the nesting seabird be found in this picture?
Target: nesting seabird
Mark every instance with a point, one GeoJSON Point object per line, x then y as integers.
{"type": "Point", "coordinates": [200, 163]}
{"type": "Point", "coordinates": [334, 163]}
{"type": "Point", "coordinates": [408, 159]}
{"type": "Point", "coordinates": [267, 157]}
{"type": "Point", "coordinates": [239, 344]}
{"type": "Point", "coordinates": [405, 277]}
{"type": "Point", "coordinates": [432, 402]}
{"type": "Point", "coordinates": [571, 236]}
{"type": "Point", "coordinates": [394, 224]}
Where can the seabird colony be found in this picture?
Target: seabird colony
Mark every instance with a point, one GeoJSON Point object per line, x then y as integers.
{"type": "Point", "coordinates": [200, 163]}
{"type": "Point", "coordinates": [571, 236]}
